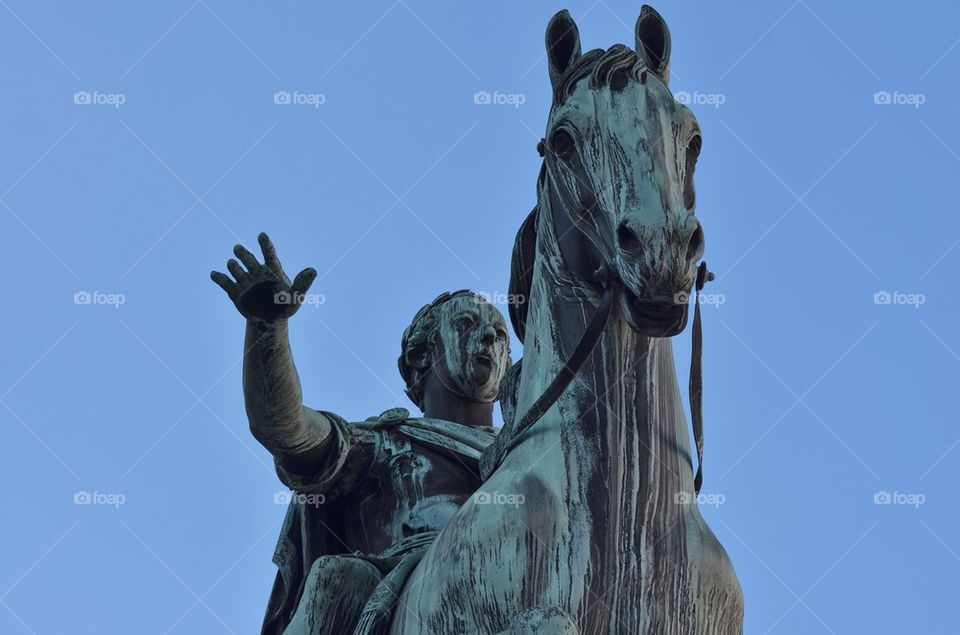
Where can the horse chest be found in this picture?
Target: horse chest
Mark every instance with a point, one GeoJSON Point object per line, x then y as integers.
{"type": "Point", "coordinates": [662, 579]}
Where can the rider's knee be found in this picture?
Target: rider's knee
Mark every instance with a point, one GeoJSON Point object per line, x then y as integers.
{"type": "Point", "coordinates": [339, 570]}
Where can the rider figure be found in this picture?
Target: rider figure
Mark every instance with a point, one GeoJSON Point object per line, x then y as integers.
{"type": "Point", "coordinates": [370, 496]}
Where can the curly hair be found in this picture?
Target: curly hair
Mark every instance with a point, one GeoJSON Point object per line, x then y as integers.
{"type": "Point", "coordinates": [414, 360]}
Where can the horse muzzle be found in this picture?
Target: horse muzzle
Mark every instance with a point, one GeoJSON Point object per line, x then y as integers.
{"type": "Point", "coordinates": [656, 266]}
{"type": "Point", "coordinates": [654, 318]}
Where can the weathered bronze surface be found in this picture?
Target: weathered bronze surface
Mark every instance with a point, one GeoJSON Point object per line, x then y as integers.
{"type": "Point", "coordinates": [585, 519]}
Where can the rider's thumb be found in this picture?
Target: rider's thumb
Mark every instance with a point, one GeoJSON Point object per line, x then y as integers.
{"type": "Point", "coordinates": [303, 281]}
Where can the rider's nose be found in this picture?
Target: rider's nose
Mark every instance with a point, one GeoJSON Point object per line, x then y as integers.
{"type": "Point", "coordinates": [489, 336]}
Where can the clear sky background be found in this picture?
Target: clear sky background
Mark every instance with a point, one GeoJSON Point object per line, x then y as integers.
{"type": "Point", "coordinates": [397, 186]}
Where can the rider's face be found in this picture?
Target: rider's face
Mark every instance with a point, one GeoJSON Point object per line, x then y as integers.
{"type": "Point", "coordinates": [471, 349]}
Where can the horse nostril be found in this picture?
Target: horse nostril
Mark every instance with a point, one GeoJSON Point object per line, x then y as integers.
{"type": "Point", "coordinates": [628, 239]}
{"type": "Point", "coordinates": [695, 246]}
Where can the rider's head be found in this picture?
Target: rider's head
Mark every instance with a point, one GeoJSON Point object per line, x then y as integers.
{"type": "Point", "coordinates": [461, 338]}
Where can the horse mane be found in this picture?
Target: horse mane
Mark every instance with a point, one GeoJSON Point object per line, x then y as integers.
{"type": "Point", "coordinates": [521, 266]}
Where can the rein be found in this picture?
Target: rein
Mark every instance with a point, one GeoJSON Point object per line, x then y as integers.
{"type": "Point", "coordinates": [696, 374]}
{"type": "Point", "coordinates": [494, 454]}
{"type": "Point", "coordinates": [496, 451]}
{"type": "Point", "coordinates": [607, 277]}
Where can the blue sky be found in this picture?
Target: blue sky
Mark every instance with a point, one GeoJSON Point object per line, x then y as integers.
{"type": "Point", "coordinates": [831, 353]}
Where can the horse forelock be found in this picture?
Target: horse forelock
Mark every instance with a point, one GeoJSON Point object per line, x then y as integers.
{"type": "Point", "coordinates": [602, 68]}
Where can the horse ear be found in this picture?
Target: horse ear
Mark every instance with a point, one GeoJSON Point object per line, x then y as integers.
{"type": "Point", "coordinates": [653, 42]}
{"type": "Point", "coordinates": [563, 44]}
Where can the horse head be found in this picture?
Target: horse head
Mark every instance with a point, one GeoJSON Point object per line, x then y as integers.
{"type": "Point", "coordinates": [619, 156]}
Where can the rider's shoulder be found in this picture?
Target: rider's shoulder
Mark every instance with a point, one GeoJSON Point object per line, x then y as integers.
{"type": "Point", "coordinates": [387, 419]}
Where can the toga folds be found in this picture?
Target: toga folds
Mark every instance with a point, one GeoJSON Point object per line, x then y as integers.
{"type": "Point", "coordinates": [381, 492]}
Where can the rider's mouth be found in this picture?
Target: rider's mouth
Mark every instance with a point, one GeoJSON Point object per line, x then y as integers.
{"type": "Point", "coordinates": [483, 362]}
{"type": "Point", "coordinates": [483, 358]}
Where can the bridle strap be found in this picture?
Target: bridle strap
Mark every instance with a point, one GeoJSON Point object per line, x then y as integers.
{"type": "Point", "coordinates": [696, 375]}
{"type": "Point", "coordinates": [568, 202]}
{"type": "Point", "coordinates": [494, 454]}
{"type": "Point", "coordinates": [496, 451]}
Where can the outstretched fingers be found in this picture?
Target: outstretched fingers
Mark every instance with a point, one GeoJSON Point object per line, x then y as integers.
{"type": "Point", "coordinates": [301, 284]}
{"type": "Point", "coordinates": [223, 281]}
{"type": "Point", "coordinates": [247, 258]}
{"type": "Point", "coordinates": [270, 258]}
{"type": "Point", "coordinates": [236, 270]}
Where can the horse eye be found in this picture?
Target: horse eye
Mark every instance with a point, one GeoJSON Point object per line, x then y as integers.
{"type": "Point", "coordinates": [693, 151]}
{"type": "Point", "coordinates": [562, 144]}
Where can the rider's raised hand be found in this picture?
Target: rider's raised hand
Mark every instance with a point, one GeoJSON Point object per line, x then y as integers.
{"type": "Point", "coordinates": [263, 291]}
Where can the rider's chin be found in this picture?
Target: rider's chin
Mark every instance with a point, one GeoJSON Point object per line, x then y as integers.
{"type": "Point", "coordinates": [653, 318]}
{"type": "Point", "coordinates": [476, 391]}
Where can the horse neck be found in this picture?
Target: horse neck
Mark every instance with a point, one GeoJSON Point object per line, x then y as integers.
{"type": "Point", "coordinates": [621, 422]}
